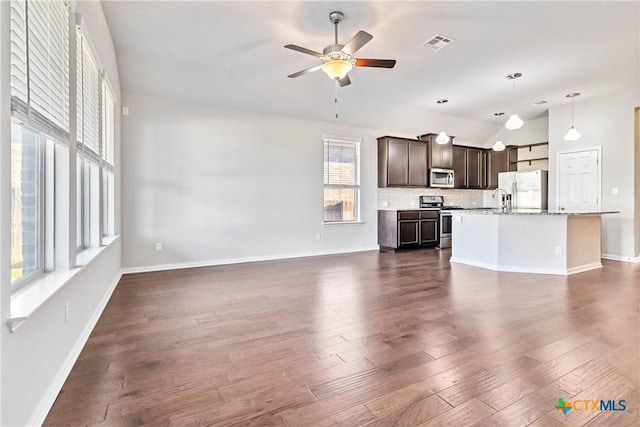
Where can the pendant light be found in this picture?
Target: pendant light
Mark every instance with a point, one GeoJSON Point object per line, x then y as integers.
{"type": "Point", "coordinates": [442, 137]}
{"type": "Point", "coordinates": [499, 146]}
{"type": "Point", "coordinates": [572, 134]}
{"type": "Point", "coordinates": [514, 122]}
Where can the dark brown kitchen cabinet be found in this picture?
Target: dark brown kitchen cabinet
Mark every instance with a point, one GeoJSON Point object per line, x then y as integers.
{"type": "Point", "coordinates": [459, 166]}
{"type": "Point", "coordinates": [429, 228]}
{"type": "Point", "coordinates": [398, 153]}
{"type": "Point", "coordinates": [497, 161]}
{"type": "Point", "coordinates": [418, 152]}
{"type": "Point", "coordinates": [402, 162]}
{"type": "Point", "coordinates": [407, 229]}
{"type": "Point", "coordinates": [441, 155]}
{"type": "Point", "coordinates": [512, 158]}
{"type": "Point", "coordinates": [476, 168]}
{"type": "Point", "coordinates": [408, 233]}
{"type": "Point", "coordinates": [500, 161]}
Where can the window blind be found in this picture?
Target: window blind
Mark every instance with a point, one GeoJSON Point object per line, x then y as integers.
{"type": "Point", "coordinates": [90, 101]}
{"type": "Point", "coordinates": [79, 92]}
{"type": "Point", "coordinates": [340, 163]}
{"type": "Point", "coordinates": [18, 30]}
{"type": "Point", "coordinates": [108, 125]}
{"type": "Point", "coordinates": [40, 65]}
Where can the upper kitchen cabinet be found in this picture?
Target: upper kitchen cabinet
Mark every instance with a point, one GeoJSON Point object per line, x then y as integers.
{"type": "Point", "coordinates": [441, 155]}
{"type": "Point", "coordinates": [469, 167]}
{"type": "Point", "coordinates": [476, 168]}
{"type": "Point", "coordinates": [500, 161]}
{"type": "Point", "coordinates": [402, 162]}
{"type": "Point", "coordinates": [459, 166]}
{"type": "Point", "coordinates": [497, 161]}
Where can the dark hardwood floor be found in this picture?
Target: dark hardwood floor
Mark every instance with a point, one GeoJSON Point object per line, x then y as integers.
{"type": "Point", "coordinates": [369, 338]}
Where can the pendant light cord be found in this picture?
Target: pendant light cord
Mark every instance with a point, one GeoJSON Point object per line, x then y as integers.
{"type": "Point", "coordinates": [513, 96]}
{"type": "Point", "coordinates": [572, 110]}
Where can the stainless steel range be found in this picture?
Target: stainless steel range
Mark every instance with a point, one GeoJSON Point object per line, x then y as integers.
{"type": "Point", "coordinates": [444, 223]}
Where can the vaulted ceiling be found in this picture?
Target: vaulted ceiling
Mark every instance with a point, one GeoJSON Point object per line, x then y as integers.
{"type": "Point", "coordinates": [231, 54]}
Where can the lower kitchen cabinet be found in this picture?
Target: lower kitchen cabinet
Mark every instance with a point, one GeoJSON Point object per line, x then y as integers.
{"type": "Point", "coordinates": [429, 232]}
{"type": "Point", "coordinates": [407, 229]}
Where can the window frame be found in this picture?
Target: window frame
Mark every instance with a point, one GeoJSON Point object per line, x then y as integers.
{"type": "Point", "coordinates": [356, 143]}
{"type": "Point", "coordinates": [45, 202]}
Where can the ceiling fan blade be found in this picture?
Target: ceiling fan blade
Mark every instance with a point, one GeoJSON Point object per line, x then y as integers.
{"type": "Point", "coordinates": [356, 42]}
{"type": "Point", "coordinates": [304, 50]}
{"type": "Point", "coordinates": [379, 63]}
{"type": "Point", "coordinates": [307, 71]}
{"type": "Point", "coordinates": [345, 81]}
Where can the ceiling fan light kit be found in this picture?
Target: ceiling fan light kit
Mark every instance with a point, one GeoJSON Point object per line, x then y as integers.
{"type": "Point", "coordinates": [514, 122]}
{"type": "Point", "coordinates": [572, 134]}
{"type": "Point", "coordinates": [337, 65]}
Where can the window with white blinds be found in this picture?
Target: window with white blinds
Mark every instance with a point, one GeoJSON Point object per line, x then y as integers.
{"type": "Point", "coordinates": [88, 100]}
{"type": "Point", "coordinates": [108, 125]}
{"type": "Point", "coordinates": [341, 180]}
{"type": "Point", "coordinates": [40, 65]}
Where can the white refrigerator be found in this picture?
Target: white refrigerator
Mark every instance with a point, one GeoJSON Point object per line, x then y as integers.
{"type": "Point", "coordinates": [528, 189]}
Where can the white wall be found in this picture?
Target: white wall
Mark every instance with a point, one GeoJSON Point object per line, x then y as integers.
{"type": "Point", "coordinates": [217, 185]}
{"type": "Point", "coordinates": [36, 358]}
{"type": "Point", "coordinates": [606, 121]}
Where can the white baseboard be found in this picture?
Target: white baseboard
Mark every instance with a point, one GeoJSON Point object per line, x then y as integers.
{"type": "Point", "coordinates": [210, 263]}
{"type": "Point", "coordinates": [46, 403]}
{"type": "Point", "coordinates": [534, 270]}
{"type": "Point", "coordinates": [621, 258]}
{"type": "Point", "coordinates": [585, 267]}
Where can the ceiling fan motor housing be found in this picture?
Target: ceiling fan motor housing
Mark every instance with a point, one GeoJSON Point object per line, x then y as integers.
{"type": "Point", "coordinates": [336, 17]}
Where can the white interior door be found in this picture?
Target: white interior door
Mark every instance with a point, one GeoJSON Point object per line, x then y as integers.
{"type": "Point", "coordinates": [578, 180]}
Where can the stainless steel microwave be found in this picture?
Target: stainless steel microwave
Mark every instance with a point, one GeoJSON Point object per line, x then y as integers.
{"type": "Point", "coordinates": [441, 178]}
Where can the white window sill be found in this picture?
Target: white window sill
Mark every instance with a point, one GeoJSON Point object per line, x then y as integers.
{"type": "Point", "coordinates": [331, 224]}
{"type": "Point", "coordinates": [107, 240]}
{"type": "Point", "coordinates": [27, 301]}
{"type": "Point", "coordinates": [35, 294]}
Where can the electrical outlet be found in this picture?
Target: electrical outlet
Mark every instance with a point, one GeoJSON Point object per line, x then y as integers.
{"type": "Point", "coordinates": [385, 204]}
{"type": "Point", "coordinates": [558, 250]}
{"type": "Point", "coordinates": [318, 236]}
{"type": "Point", "coordinates": [158, 247]}
{"type": "Point", "coordinates": [67, 309]}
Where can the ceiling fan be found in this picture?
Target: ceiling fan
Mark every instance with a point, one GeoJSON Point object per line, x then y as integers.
{"type": "Point", "coordinates": [338, 59]}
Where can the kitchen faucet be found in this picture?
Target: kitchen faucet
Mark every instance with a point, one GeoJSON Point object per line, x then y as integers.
{"type": "Point", "coordinates": [504, 204]}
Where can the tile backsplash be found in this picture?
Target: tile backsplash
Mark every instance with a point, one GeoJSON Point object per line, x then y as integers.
{"type": "Point", "coordinates": [409, 197]}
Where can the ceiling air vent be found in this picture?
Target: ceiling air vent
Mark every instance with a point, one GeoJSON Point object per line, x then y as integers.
{"type": "Point", "coordinates": [437, 42]}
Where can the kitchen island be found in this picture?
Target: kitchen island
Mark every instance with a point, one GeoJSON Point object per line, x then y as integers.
{"type": "Point", "coordinates": [528, 240]}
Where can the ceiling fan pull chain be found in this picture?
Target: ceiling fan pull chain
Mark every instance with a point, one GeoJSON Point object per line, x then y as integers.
{"type": "Point", "coordinates": [335, 99]}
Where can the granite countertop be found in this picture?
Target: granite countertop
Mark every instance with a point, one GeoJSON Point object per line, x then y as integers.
{"type": "Point", "coordinates": [533, 212]}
